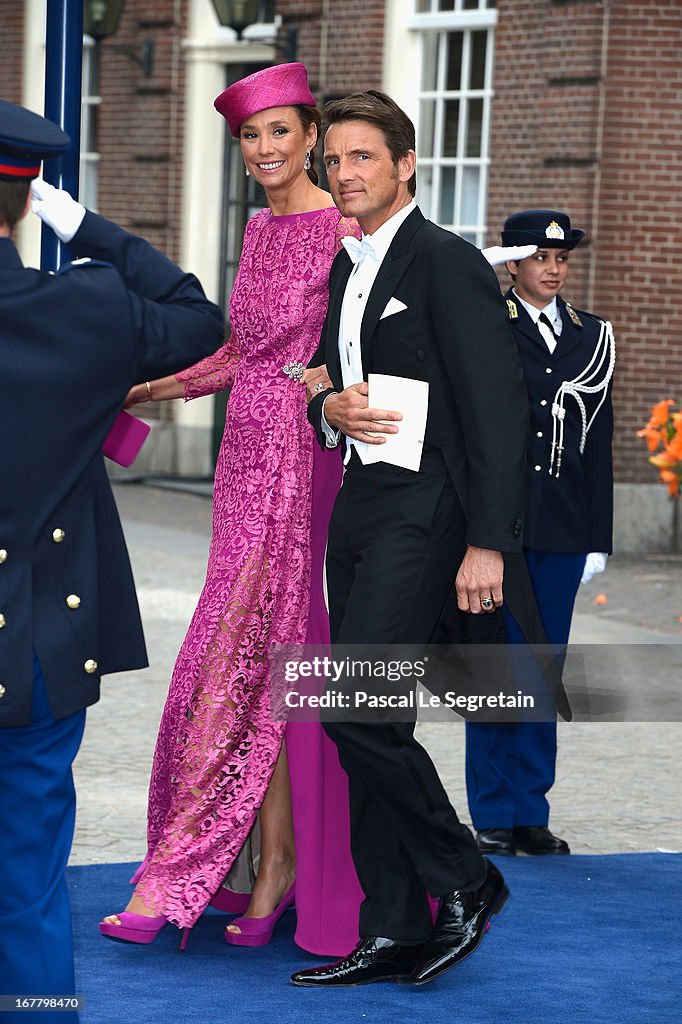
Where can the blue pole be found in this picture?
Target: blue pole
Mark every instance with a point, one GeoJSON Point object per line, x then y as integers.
{"type": "Point", "coordinates": [63, 68]}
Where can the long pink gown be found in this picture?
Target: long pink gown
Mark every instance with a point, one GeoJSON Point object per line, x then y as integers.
{"type": "Point", "coordinates": [217, 745]}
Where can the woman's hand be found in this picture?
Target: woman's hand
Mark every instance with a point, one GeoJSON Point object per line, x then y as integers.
{"type": "Point", "coordinates": [136, 395]}
{"type": "Point", "coordinates": [315, 380]}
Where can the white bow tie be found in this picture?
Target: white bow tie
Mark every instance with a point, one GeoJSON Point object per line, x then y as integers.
{"type": "Point", "coordinates": [358, 249]}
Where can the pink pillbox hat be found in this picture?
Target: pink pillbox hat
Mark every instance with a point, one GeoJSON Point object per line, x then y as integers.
{"type": "Point", "coordinates": [282, 85]}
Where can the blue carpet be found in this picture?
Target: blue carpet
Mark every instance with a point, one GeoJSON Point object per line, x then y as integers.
{"type": "Point", "coordinates": [583, 940]}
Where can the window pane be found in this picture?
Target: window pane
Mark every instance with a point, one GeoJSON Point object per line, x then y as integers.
{"type": "Point", "coordinates": [430, 61]}
{"type": "Point", "coordinates": [474, 126]}
{"type": "Point", "coordinates": [470, 5]}
{"type": "Point", "coordinates": [423, 6]}
{"type": "Point", "coordinates": [478, 48]}
{"type": "Point", "coordinates": [446, 5]}
{"type": "Point", "coordinates": [450, 127]}
{"type": "Point", "coordinates": [446, 207]}
{"type": "Point", "coordinates": [454, 70]}
{"type": "Point", "coordinates": [426, 127]}
{"type": "Point", "coordinates": [425, 189]}
{"type": "Point", "coordinates": [470, 186]}
{"type": "Point", "coordinates": [468, 236]}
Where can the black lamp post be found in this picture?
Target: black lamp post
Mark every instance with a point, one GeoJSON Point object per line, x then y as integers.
{"type": "Point", "coordinates": [239, 14]}
{"type": "Point", "coordinates": [101, 19]}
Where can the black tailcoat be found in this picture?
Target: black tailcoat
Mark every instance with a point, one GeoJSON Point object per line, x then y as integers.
{"type": "Point", "coordinates": [571, 513]}
{"type": "Point", "coordinates": [71, 345]}
{"type": "Point", "coordinates": [455, 335]}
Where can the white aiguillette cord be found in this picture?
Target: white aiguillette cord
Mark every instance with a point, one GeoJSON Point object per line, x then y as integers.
{"type": "Point", "coordinates": [584, 383]}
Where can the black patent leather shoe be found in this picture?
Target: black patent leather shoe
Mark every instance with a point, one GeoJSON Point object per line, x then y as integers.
{"type": "Point", "coordinates": [538, 841]}
{"type": "Point", "coordinates": [499, 841]}
{"type": "Point", "coordinates": [460, 927]}
{"type": "Point", "coordinates": [373, 959]}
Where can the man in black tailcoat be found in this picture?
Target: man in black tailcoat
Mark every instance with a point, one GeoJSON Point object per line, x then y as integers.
{"type": "Point", "coordinates": [417, 302]}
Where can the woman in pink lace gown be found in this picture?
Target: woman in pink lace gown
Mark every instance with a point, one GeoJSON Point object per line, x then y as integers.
{"type": "Point", "coordinates": [219, 756]}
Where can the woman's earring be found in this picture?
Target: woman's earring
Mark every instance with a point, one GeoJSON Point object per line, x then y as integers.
{"type": "Point", "coordinates": [247, 172]}
{"type": "Point", "coordinates": [307, 165]}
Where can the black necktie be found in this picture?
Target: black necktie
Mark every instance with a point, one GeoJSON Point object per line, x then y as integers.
{"type": "Point", "coordinates": [548, 323]}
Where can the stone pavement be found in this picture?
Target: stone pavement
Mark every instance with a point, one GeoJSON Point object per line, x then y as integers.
{"type": "Point", "coordinates": [618, 784]}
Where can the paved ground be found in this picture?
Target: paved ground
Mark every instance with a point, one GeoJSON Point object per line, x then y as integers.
{"type": "Point", "coordinates": [618, 785]}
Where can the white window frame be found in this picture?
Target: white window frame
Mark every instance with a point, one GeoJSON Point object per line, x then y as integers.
{"type": "Point", "coordinates": [89, 158]}
{"type": "Point", "coordinates": [444, 24]}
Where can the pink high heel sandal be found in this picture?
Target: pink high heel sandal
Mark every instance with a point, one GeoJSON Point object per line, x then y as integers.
{"type": "Point", "coordinates": [257, 931]}
{"type": "Point", "coordinates": [138, 928]}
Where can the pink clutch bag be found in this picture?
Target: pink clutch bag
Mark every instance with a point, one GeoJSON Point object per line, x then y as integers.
{"type": "Point", "coordinates": [126, 437]}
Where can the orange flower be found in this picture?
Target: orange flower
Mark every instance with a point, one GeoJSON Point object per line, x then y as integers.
{"type": "Point", "coordinates": [601, 599]}
{"type": "Point", "coordinates": [663, 461]}
{"type": "Point", "coordinates": [674, 448]}
{"type": "Point", "coordinates": [653, 437]}
{"type": "Point", "coordinates": [672, 480]}
{"type": "Point", "coordinates": [661, 412]}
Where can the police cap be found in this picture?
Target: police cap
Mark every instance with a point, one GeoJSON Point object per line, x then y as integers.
{"type": "Point", "coordinates": [548, 229]}
{"type": "Point", "coordinates": [26, 138]}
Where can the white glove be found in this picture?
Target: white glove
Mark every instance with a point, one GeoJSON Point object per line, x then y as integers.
{"type": "Point", "coordinates": [497, 254]}
{"type": "Point", "coordinates": [57, 209]}
{"type": "Point", "coordinates": [595, 563]}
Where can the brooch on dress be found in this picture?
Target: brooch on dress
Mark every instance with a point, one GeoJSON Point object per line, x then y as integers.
{"type": "Point", "coordinates": [294, 370]}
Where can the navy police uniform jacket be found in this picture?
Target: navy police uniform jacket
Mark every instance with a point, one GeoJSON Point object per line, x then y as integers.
{"type": "Point", "coordinates": [71, 346]}
{"type": "Point", "coordinates": [571, 513]}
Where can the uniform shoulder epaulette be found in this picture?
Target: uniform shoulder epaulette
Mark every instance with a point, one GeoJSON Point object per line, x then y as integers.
{"type": "Point", "coordinates": [573, 315]}
{"type": "Point", "coordinates": [83, 261]}
{"type": "Point", "coordinates": [583, 314]}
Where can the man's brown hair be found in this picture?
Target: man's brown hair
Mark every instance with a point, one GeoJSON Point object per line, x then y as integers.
{"type": "Point", "coordinates": [13, 196]}
{"type": "Point", "coordinates": [380, 110]}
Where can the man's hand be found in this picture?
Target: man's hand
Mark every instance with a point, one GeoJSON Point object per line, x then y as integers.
{"type": "Point", "coordinates": [350, 413]}
{"type": "Point", "coordinates": [57, 209]}
{"type": "Point", "coordinates": [479, 581]}
{"type": "Point", "coordinates": [315, 379]}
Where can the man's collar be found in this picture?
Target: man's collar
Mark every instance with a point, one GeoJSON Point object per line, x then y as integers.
{"type": "Point", "coordinates": [383, 236]}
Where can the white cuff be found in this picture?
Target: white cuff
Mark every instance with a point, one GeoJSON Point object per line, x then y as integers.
{"type": "Point", "coordinates": [595, 563]}
{"type": "Point", "coordinates": [333, 436]}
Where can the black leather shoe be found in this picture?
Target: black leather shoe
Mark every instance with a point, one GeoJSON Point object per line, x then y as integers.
{"type": "Point", "coordinates": [538, 841]}
{"type": "Point", "coordinates": [373, 959]}
{"type": "Point", "coordinates": [499, 841]}
{"type": "Point", "coordinates": [460, 926]}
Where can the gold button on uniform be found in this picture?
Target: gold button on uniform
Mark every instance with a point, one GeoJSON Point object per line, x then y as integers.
{"type": "Point", "coordinates": [3, 691]}
{"type": "Point", "coordinates": [3, 555]}
{"type": "Point", "coordinates": [90, 666]}
{"type": "Point", "coordinates": [3, 621]}
{"type": "Point", "coordinates": [58, 536]}
{"type": "Point", "coordinates": [73, 601]}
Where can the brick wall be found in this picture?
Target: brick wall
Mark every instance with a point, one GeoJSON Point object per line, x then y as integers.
{"type": "Point", "coordinates": [638, 278]}
{"type": "Point", "coordinates": [607, 149]}
{"type": "Point", "coordinates": [342, 51]}
{"type": "Point", "coordinates": [11, 66]}
{"type": "Point", "coordinates": [141, 124]}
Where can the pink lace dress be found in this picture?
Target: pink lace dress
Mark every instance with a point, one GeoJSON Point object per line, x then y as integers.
{"type": "Point", "coordinates": [217, 745]}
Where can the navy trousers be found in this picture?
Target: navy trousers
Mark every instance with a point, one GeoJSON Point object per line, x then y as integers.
{"type": "Point", "coordinates": [37, 815]}
{"type": "Point", "coordinates": [510, 768]}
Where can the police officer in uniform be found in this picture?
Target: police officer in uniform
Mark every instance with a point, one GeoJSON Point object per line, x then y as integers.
{"type": "Point", "coordinates": [568, 358]}
{"type": "Point", "coordinates": [71, 346]}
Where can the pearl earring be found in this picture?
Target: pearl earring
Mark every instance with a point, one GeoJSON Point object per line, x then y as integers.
{"type": "Point", "coordinates": [247, 172]}
{"type": "Point", "coordinates": [307, 165]}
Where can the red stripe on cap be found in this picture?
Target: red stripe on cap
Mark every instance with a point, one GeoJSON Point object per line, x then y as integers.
{"type": "Point", "coordinates": [20, 172]}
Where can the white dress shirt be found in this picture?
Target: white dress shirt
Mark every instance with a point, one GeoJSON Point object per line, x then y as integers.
{"type": "Point", "coordinates": [362, 277]}
{"type": "Point", "coordinates": [553, 315]}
